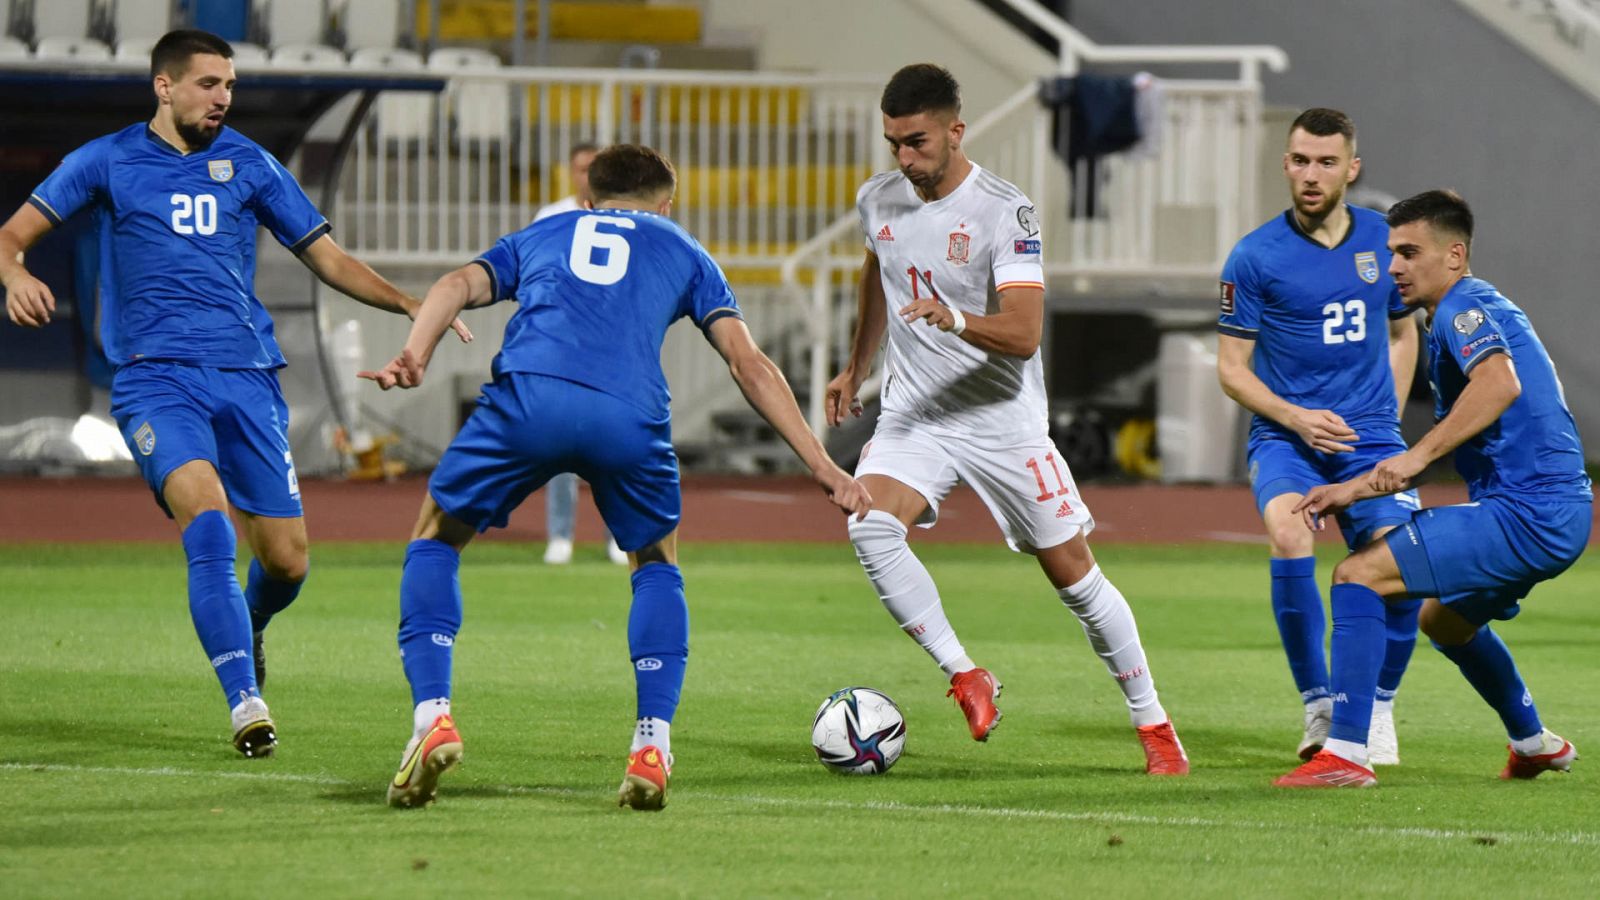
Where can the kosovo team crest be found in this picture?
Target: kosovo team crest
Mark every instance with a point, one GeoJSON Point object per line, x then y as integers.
{"type": "Point", "coordinates": [221, 169]}
{"type": "Point", "coordinates": [1367, 267]}
{"type": "Point", "coordinates": [145, 439]}
{"type": "Point", "coordinates": [960, 247]}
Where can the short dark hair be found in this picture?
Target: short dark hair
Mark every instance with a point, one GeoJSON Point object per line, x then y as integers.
{"type": "Point", "coordinates": [582, 147]}
{"type": "Point", "coordinates": [1321, 121]}
{"type": "Point", "coordinates": [630, 171]}
{"type": "Point", "coordinates": [920, 88]}
{"type": "Point", "coordinates": [171, 54]}
{"type": "Point", "coordinates": [1443, 210]}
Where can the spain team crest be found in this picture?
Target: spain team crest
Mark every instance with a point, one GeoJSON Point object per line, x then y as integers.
{"type": "Point", "coordinates": [1367, 267]}
{"type": "Point", "coordinates": [221, 169]}
{"type": "Point", "coordinates": [960, 248]}
{"type": "Point", "coordinates": [145, 439]}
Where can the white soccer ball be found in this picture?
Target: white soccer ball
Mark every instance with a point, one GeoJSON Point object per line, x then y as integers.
{"type": "Point", "coordinates": [858, 731]}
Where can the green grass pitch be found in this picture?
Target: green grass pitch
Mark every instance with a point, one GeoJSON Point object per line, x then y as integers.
{"type": "Point", "coordinates": [115, 761]}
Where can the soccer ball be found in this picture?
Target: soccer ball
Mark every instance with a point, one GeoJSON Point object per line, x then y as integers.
{"type": "Point", "coordinates": [858, 731]}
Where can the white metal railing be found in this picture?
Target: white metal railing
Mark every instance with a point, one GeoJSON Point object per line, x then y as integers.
{"type": "Point", "coordinates": [1170, 208]}
{"type": "Point", "coordinates": [764, 161]}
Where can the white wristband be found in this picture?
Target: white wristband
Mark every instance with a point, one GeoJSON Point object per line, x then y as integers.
{"type": "Point", "coordinates": [960, 323]}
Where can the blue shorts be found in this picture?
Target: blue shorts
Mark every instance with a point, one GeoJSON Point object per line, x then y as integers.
{"type": "Point", "coordinates": [530, 428]}
{"type": "Point", "coordinates": [235, 419]}
{"type": "Point", "coordinates": [1481, 558]}
{"type": "Point", "coordinates": [1283, 464]}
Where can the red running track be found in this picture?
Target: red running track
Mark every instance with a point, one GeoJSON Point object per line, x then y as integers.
{"type": "Point", "coordinates": [715, 508]}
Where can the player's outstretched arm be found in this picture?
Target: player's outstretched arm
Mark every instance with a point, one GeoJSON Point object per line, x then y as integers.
{"type": "Point", "coordinates": [1321, 429]}
{"type": "Point", "coordinates": [768, 393]}
{"type": "Point", "coordinates": [1492, 386]}
{"type": "Point", "coordinates": [466, 286]}
{"type": "Point", "coordinates": [1014, 330]}
{"type": "Point", "coordinates": [354, 278]}
{"type": "Point", "coordinates": [872, 317]}
{"type": "Point", "coordinates": [28, 300]}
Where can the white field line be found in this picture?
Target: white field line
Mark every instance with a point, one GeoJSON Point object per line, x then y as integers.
{"type": "Point", "coordinates": [1580, 838]}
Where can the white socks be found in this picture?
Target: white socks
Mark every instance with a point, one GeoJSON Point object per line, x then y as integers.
{"type": "Point", "coordinates": [650, 731]}
{"type": "Point", "coordinates": [1349, 751]}
{"type": "Point", "coordinates": [906, 588]}
{"type": "Point", "coordinates": [426, 712]}
{"type": "Point", "coordinates": [1108, 623]}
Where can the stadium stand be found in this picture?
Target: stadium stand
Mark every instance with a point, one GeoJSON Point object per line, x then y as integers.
{"type": "Point", "coordinates": [11, 48]}
{"type": "Point", "coordinates": [61, 19]}
{"type": "Point", "coordinates": [140, 19]}
{"type": "Point", "coordinates": [134, 49]}
{"type": "Point", "coordinates": [293, 22]}
{"type": "Point", "coordinates": [369, 24]}
{"type": "Point", "coordinates": [480, 109]}
{"type": "Point", "coordinates": [306, 56]}
{"type": "Point", "coordinates": [398, 115]}
{"type": "Point", "coordinates": [71, 48]}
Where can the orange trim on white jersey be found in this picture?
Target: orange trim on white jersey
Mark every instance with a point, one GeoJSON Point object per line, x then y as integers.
{"type": "Point", "coordinates": [1018, 284]}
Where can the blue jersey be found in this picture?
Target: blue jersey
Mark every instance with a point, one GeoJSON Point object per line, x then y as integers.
{"type": "Point", "coordinates": [1318, 316]}
{"type": "Point", "coordinates": [1533, 449]}
{"type": "Point", "coordinates": [177, 243]}
{"type": "Point", "coordinates": [596, 293]}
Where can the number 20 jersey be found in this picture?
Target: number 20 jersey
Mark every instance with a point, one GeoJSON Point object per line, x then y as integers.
{"type": "Point", "coordinates": [178, 243]}
{"type": "Point", "coordinates": [966, 247]}
{"type": "Point", "coordinates": [1319, 316]}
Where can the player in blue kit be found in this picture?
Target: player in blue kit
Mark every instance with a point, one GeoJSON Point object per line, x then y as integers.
{"type": "Point", "coordinates": [578, 388]}
{"type": "Point", "coordinates": [178, 201]}
{"type": "Point", "coordinates": [1307, 300]}
{"type": "Point", "coordinates": [1499, 405]}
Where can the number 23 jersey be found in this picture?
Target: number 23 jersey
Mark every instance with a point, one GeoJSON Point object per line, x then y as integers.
{"type": "Point", "coordinates": [1319, 316]}
{"type": "Point", "coordinates": [178, 242]}
{"type": "Point", "coordinates": [965, 248]}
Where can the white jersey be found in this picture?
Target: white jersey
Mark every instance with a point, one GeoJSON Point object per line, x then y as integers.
{"type": "Point", "coordinates": [565, 204]}
{"type": "Point", "coordinates": [981, 239]}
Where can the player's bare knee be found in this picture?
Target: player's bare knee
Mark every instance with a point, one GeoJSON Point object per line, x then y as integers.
{"type": "Point", "coordinates": [287, 565]}
{"type": "Point", "coordinates": [1289, 540]}
{"type": "Point", "coordinates": [658, 552]}
{"type": "Point", "coordinates": [1354, 570]}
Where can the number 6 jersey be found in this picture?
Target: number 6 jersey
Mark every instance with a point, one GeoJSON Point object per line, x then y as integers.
{"type": "Point", "coordinates": [178, 242]}
{"type": "Point", "coordinates": [964, 248]}
{"type": "Point", "coordinates": [1319, 316]}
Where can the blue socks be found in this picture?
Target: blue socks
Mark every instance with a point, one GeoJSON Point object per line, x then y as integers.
{"type": "Point", "coordinates": [1297, 605]}
{"type": "Point", "coordinates": [1488, 666]}
{"type": "Point", "coordinates": [658, 639]}
{"type": "Point", "coordinates": [216, 604]}
{"type": "Point", "coordinates": [430, 616]}
{"type": "Point", "coordinates": [1400, 632]}
{"type": "Point", "coordinates": [267, 596]}
{"type": "Point", "coordinates": [1358, 651]}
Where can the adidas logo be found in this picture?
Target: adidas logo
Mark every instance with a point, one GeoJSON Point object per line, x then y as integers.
{"type": "Point", "coordinates": [884, 235]}
{"type": "Point", "coordinates": [1064, 511]}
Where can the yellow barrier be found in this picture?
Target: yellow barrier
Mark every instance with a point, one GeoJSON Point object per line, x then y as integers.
{"type": "Point", "coordinates": [476, 20]}
{"type": "Point", "coordinates": [759, 106]}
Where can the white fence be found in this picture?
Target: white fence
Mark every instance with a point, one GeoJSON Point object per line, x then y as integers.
{"type": "Point", "coordinates": [764, 162]}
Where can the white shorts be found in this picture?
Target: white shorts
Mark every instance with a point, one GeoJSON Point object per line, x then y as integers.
{"type": "Point", "coordinates": [1026, 485]}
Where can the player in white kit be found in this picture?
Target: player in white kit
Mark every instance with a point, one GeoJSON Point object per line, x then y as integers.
{"type": "Point", "coordinates": [954, 250]}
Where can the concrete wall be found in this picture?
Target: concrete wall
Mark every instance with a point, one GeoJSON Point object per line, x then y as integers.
{"type": "Point", "coordinates": [1440, 100]}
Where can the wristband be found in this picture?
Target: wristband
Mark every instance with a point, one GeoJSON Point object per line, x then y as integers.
{"type": "Point", "coordinates": [960, 323]}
